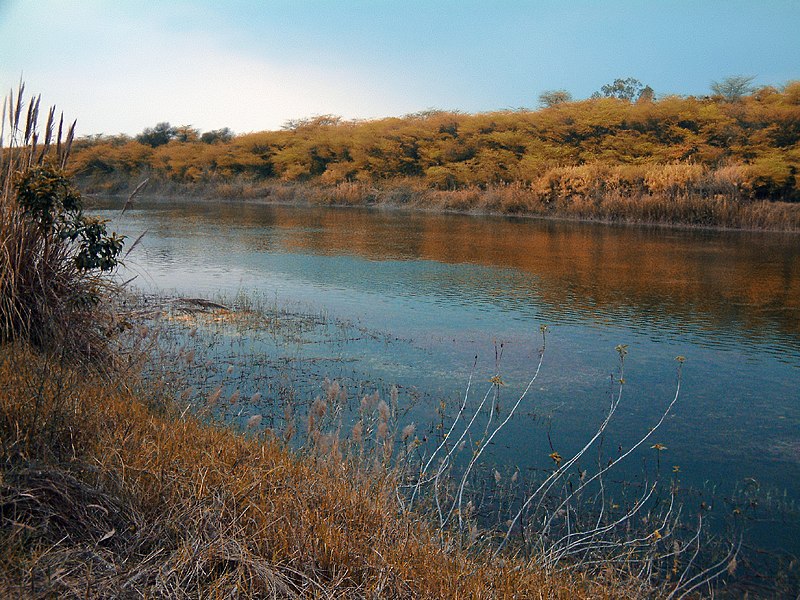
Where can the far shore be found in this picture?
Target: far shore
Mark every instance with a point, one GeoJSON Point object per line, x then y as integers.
{"type": "Point", "coordinates": [676, 211]}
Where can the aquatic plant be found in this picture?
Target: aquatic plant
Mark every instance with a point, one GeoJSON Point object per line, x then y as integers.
{"type": "Point", "coordinates": [568, 520]}
{"type": "Point", "coordinates": [102, 496]}
{"type": "Point", "coordinates": [577, 516]}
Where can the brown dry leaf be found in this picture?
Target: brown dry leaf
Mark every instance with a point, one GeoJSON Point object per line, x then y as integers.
{"type": "Point", "coordinates": [732, 566]}
{"type": "Point", "coordinates": [107, 536]}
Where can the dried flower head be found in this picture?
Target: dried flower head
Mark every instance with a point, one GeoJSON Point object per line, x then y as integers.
{"type": "Point", "coordinates": [383, 411]}
{"type": "Point", "coordinates": [383, 429]}
{"type": "Point", "coordinates": [331, 390]}
{"type": "Point", "coordinates": [214, 397]}
{"type": "Point", "coordinates": [319, 407]}
{"type": "Point", "coordinates": [358, 432]}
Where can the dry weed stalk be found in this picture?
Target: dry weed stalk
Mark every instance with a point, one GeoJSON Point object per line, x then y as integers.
{"type": "Point", "coordinates": [168, 506]}
{"type": "Point", "coordinates": [566, 522]}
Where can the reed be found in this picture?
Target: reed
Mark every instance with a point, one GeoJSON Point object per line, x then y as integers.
{"type": "Point", "coordinates": [111, 483]}
{"type": "Point", "coordinates": [110, 487]}
{"type": "Point", "coordinates": [567, 519]}
{"type": "Point", "coordinates": [672, 194]}
{"type": "Point", "coordinates": [51, 255]}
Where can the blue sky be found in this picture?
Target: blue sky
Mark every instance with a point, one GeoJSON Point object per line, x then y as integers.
{"type": "Point", "coordinates": [120, 66]}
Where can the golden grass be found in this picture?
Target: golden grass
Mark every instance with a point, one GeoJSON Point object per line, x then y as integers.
{"type": "Point", "coordinates": [677, 193]}
{"type": "Point", "coordinates": [598, 200]}
{"type": "Point", "coordinates": [99, 496]}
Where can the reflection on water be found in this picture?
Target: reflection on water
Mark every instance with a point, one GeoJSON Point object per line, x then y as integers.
{"type": "Point", "coordinates": [730, 302]}
{"type": "Point", "coordinates": [732, 288]}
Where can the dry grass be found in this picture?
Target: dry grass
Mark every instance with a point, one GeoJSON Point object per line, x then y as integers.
{"type": "Point", "coordinates": [100, 497]}
{"type": "Point", "coordinates": [672, 194]}
{"type": "Point", "coordinates": [44, 297]}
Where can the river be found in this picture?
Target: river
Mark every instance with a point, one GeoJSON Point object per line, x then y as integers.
{"type": "Point", "coordinates": [456, 286]}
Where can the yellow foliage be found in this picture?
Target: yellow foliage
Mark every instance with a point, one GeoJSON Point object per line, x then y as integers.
{"type": "Point", "coordinates": [573, 151]}
{"type": "Point", "coordinates": [673, 179]}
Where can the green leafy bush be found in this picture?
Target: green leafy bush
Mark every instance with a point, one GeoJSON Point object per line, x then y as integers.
{"type": "Point", "coordinates": [46, 196]}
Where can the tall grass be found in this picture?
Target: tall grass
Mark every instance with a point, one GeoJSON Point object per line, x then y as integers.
{"type": "Point", "coordinates": [103, 495]}
{"type": "Point", "coordinates": [670, 194]}
{"type": "Point", "coordinates": [47, 295]}
{"type": "Point", "coordinates": [676, 194]}
{"type": "Point", "coordinates": [100, 495]}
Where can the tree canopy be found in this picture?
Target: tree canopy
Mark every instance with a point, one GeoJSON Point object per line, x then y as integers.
{"type": "Point", "coordinates": [551, 98]}
{"type": "Point", "coordinates": [156, 136]}
{"type": "Point", "coordinates": [628, 89]}
{"type": "Point", "coordinates": [733, 88]}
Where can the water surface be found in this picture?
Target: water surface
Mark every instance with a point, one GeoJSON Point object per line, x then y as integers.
{"type": "Point", "coordinates": [454, 286]}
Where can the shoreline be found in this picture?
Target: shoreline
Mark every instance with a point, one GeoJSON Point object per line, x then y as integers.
{"type": "Point", "coordinates": [426, 200]}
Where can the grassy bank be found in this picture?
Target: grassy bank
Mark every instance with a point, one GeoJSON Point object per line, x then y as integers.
{"type": "Point", "coordinates": [102, 497]}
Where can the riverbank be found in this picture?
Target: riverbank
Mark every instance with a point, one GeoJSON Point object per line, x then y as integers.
{"type": "Point", "coordinates": [664, 209]}
{"type": "Point", "coordinates": [106, 490]}
{"type": "Point", "coordinates": [697, 161]}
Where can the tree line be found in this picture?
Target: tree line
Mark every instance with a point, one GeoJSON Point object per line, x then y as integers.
{"type": "Point", "coordinates": [739, 138]}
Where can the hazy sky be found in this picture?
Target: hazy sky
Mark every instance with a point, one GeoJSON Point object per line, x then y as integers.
{"type": "Point", "coordinates": [120, 66]}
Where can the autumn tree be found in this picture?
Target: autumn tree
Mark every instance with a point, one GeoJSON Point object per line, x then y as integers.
{"type": "Point", "coordinates": [646, 95]}
{"type": "Point", "coordinates": [186, 133]}
{"type": "Point", "coordinates": [632, 144]}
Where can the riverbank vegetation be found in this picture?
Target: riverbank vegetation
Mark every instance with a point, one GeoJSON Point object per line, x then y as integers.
{"type": "Point", "coordinates": [730, 159]}
{"type": "Point", "coordinates": [103, 497]}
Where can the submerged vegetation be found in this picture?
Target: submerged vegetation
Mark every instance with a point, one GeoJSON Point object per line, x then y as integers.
{"type": "Point", "coordinates": [730, 159]}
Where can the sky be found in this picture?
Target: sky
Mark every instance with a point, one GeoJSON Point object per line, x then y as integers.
{"type": "Point", "coordinates": [119, 66]}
